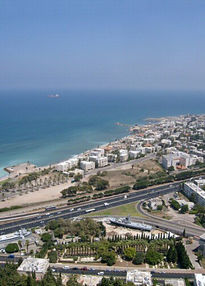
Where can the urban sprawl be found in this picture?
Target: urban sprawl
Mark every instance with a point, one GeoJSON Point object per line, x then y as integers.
{"type": "Point", "coordinates": [130, 212]}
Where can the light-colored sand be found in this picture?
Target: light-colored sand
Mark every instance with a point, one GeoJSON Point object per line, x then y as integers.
{"type": "Point", "coordinates": [48, 194]}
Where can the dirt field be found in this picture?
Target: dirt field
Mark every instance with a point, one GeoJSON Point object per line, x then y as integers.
{"type": "Point", "coordinates": [128, 174]}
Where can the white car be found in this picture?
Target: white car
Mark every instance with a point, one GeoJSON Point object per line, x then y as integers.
{"type": "Point", "coordinates": [101, 273]}
{"type": "Point", "coordinates": [79, 209]}
{"type": "Point", "coordinates": [71, 210]}
{"type": "Point", "coordinates": [66, 267]}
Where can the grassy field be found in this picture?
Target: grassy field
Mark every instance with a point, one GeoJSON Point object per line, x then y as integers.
{"type": "Point", "coordinates": [124, 210]}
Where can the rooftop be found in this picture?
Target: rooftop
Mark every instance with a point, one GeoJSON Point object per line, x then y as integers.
{"type": "Point", "coordinates": [196, 189]}
{"type": "Point", "coordinates": [139, 277]}
{"type": "Point", "coordinates": [31, 264]}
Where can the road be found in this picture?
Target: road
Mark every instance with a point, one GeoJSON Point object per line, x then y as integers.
{"type": "Point", "coordinates": [43, 218]}
{"type": "Point", "coordinates": [113, 270]}
{"type": "Point", "coordinates": [70, 212]}
{"type": "Point", "coordinates": [190, 228]}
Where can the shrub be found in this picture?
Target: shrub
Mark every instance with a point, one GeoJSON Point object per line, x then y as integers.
{"type": "Point", "coordinates": [153, 257]}
{"type": "Point", "coordinates": [12, 247]}
{"type": "Point", "coordinates": [45, 237]}
{"type": "Point", "coordinates": [139, 258]}
{"type": "Point", "coordinates": [129, 253]}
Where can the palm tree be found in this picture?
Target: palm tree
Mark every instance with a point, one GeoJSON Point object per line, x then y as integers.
{"type": "Point", "coordinates": [20, 244]}
{"type": "Point", "coordinates": [27, 245]}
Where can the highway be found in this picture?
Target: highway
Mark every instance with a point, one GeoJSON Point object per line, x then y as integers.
{"type": "Point", "coordinates": [41, 219]}
{"type": "Point", "coordinates": [75, 211]}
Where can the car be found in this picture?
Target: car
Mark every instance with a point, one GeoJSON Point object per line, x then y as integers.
{"type": "Point", "coordinates": [53, 269]}
{"type": "Point", "coordinates": [79, 209]}
{"type": "Point", "coordinates": [42, 221]}
{"type": "Point", "coordinates": [11, 256]}
{"type": "Point", "coordinates": [75, 268]}
{"type": "Point", "coordinates": [58, 212]}
{"type": "Point", "coordinates": [71, 210]}
{"type": "Point", "coordinates": [38, 216]}
{"type": "Point", "coordinates": [66, 267]}
{"type": "Point", "coordinates": [106, 204]}
{"type": "Point", "coordinates": [84, 268]}
{"type": "Point", "coordinates": [101, 273]}
{"type": "Point", "coordinates": [47, 213]}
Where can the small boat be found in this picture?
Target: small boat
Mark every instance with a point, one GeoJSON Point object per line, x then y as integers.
{"type": "Point", "coordinates": [54, 95]}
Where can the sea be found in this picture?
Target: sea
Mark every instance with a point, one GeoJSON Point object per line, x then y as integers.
{"type": "Point", "coordinates": [44, 130]}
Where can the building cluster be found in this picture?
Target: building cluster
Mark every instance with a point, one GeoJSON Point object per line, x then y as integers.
{"type": "Point", "coordinates": [179, 141]}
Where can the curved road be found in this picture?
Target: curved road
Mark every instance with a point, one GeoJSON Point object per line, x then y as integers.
{"type": "Point", "coordinates": [71, 212]}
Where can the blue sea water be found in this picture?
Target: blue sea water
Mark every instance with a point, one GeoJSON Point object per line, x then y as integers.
{"type": "Point", "coordinates": [43, 130]}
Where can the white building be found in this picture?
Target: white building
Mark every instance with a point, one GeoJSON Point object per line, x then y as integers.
{"type": "Point", "coordinates": [178, 160]}
{"type": "Point", "coordinates": [37, 265]}
{"type": "Point", "coordinates": [191, 188]}
{"type": "Point", "coordinates": [139, 278]}
{"type": "Point", "coordinates": [112, 157]}
{"type": "Point", "coordinates": [183, 202]}
{"type": "Point", "coordinates": [199, 280]}
{"type": "Point", "coordinates": [99, 152]}
{"type": "Point", "coordinates": [62, 167]}
{"type": "Point", "coordinates": [166, 142]}
{"type": "Point", "coordinates": [102, 162]}
{"type": "Point", "coordinates": [76, 172]}
{"type": "Point", "coordinates": [175, 282]}
{"type": "Point", "coordinates": [99, 161]}
{"type": "Point", "coordinates": [87, 165]}
{"type": "Point", "coordinates": [66, 165]}
{"type": "Point", "coordinates": [123, 155]}
{"type": "Point", "coordinates": [133, 154]}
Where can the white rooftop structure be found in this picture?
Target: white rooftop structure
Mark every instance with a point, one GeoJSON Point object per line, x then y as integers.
{"type": "Point", "coordinates": [175, 282]}
{"type": "Point", "coordinates": [191, 188]}
{"type": "Point", "coordinates": [139, 278]}
{"type": "Point", "coordinates": [30, 264]}
{"type": "Point", "coordinates": [199, 280]}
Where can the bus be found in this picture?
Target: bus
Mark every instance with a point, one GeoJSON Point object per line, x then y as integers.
{"type": "Point", "coordinates": [50, 208]}
{"type": "Point", "coordinates": [90, 210]}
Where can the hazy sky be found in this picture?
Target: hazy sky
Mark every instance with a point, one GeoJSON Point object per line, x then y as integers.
{"type": "Point", "coordinates": [96, 44]}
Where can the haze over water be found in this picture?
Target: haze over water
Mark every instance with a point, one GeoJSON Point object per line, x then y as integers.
{"type": "Point", "coordinates": [43, 130]}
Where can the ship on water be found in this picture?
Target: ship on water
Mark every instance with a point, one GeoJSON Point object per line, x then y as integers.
{"type": "Point", "coordinates": [54, 95]}
{"type": "Point", "coordinates": [126, 222]}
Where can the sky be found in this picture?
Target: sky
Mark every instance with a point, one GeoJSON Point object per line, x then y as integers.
{"type": "Point", "coordinates": [102, 44]}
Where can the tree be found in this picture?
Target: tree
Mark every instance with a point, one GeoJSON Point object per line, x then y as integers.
{"type": "Point", "coordinates": [73, 281]}
{"type": "Point", "coordinates": [20, 244]}
{"type": "Point", "coordinates": [139, 258]}
{"type": "Point", "coordinates": [172, 254]}
{"type": "Point", "coordinates": [184, 209]}
{"type": "Point", "coordinates": [109, 257]}
{"type": "Point", "coordinates": [45, 237]}
{"type": "Point", "coordinates": [183, 258]}
{"type": "Point", "coordinates": [27, 245]}
{"type": "Point", "coordinates": [98, 183]}
{"type": "Point", "coordinates": [184, 233]}
{"type": "Point", "coordinates": [175, 205]}
{"type": "Point", "coordinates": [53, 256]}
{"type": "Point", "coordinates": [153, 257]}
{"type": "Point", "coordinates": [129, 253]}
{"type": "Point", "coordinates": [78, 177]}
